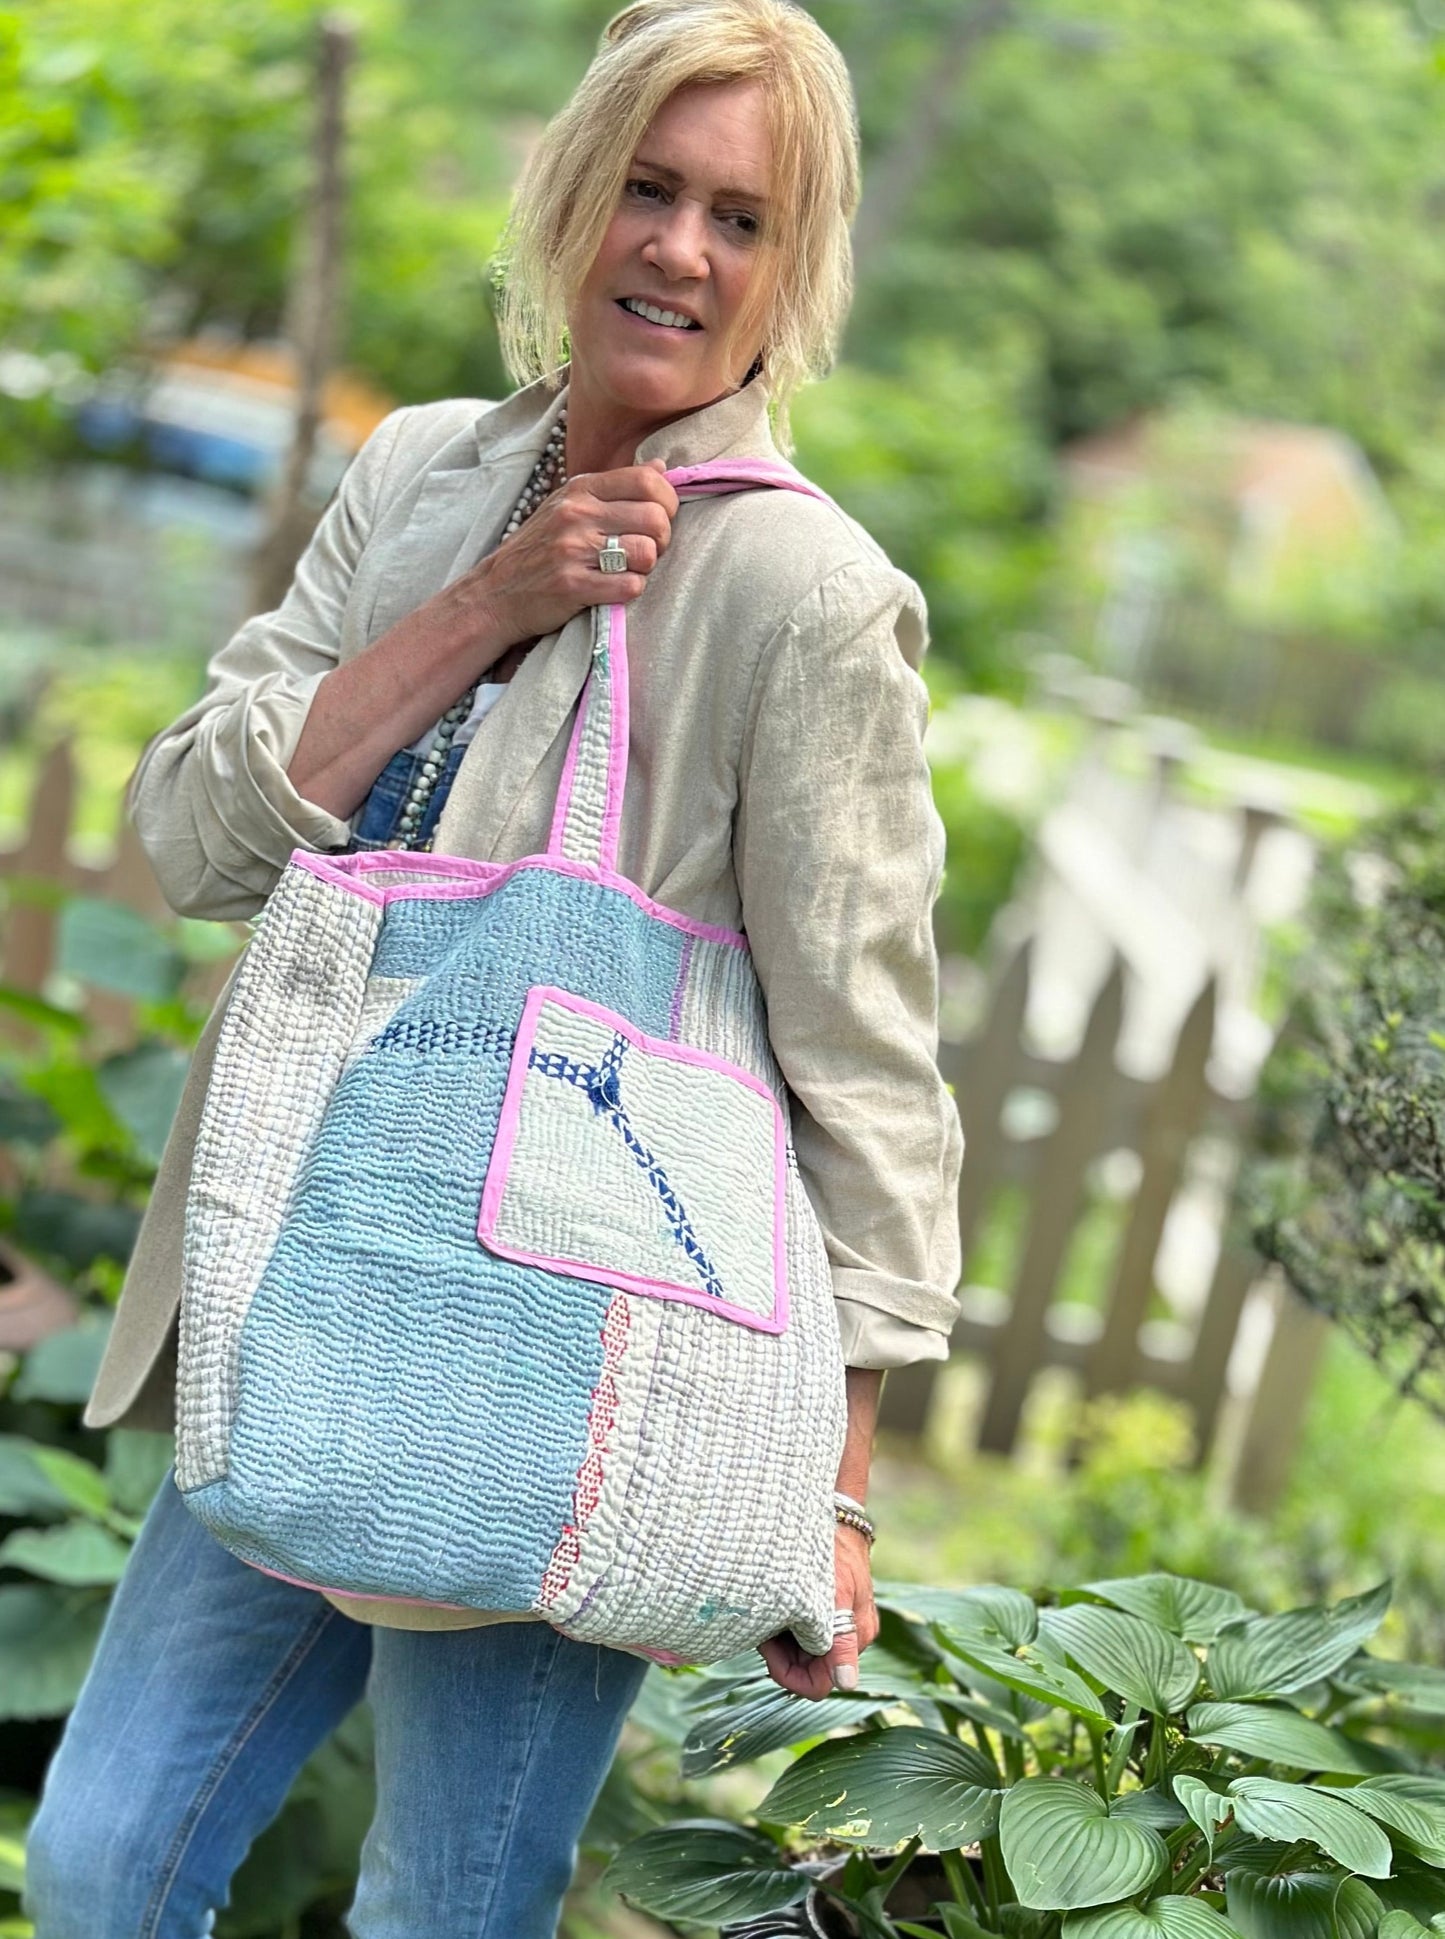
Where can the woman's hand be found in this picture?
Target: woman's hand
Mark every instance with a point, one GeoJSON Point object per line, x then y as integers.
{"type": "Point", "coordinates": [813, 1676]}
{"type": "Point", "coordinates": [547, 572]}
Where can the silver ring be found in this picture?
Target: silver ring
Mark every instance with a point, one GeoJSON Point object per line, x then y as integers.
{"type": "Point", "coordinates": [845, 1623]}
{"type": "Point", "coordinates": [612, 557]}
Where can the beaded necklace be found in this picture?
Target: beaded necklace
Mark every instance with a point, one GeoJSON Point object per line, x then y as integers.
{"type": "Point", "coordinates": [548, 473]}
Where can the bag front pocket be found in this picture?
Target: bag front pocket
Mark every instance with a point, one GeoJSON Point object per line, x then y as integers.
{"type": "Point", "coordinates": [638, 1163]}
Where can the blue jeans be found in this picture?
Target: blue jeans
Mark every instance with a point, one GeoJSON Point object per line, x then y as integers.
{"type": "Point", "coordinates": [211, 1686]}
{"type": "Point", "coordinates": [381, 811]}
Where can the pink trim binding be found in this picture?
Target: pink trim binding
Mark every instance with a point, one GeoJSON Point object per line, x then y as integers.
{"type": "Point", "coordinates": [619, 724]}
{"type": "Point", "coordinates": [481, 878]}
{"type": "Point", "coordinates": [718, 478]}
{"type": "Point", "coordinates": [354, 1595]}
{"type": "Point", "coordinates": [495, 1184]}
{"type": "Point", "coordinates": [720, 475]}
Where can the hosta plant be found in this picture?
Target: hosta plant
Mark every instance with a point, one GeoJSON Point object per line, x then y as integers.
{"type": "Point", "coordinates": [1145, 1758]}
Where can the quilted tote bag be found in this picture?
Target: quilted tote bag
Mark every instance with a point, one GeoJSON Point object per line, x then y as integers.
{"type": "Point", "coordinates": [501, 1287]}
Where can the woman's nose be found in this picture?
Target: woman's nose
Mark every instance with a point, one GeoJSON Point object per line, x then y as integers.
{"type": "Point", "coordinates": [678, 245]}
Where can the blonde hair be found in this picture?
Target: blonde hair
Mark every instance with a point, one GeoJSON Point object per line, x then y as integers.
{"type": "Point", "coordinates": [798, 296]}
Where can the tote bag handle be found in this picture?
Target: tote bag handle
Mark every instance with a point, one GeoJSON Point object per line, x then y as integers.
{"type": "Point", "coordinates": [588, 815]}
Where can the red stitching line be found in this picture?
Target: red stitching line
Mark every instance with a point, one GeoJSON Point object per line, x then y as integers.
{"type": "Point", "coordinates": [601, 1419]}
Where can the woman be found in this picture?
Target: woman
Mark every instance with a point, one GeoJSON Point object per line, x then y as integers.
{"type": "Point", "coordinates": [685, 220]}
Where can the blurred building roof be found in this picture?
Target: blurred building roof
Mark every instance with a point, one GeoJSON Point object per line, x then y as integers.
{"type": "Point", "coordinates": [223, 410]}
{"type": "Point", "coordinates": [1295, 499]}
{"type": "Point", "coordinates": [266, 371]}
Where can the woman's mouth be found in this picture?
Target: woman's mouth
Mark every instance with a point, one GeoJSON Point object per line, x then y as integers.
{"type": "Point", "coordinates": [653, 317]}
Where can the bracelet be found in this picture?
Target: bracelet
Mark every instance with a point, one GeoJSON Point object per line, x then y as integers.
{"type": "Point", "coordinates": [849, 1513]}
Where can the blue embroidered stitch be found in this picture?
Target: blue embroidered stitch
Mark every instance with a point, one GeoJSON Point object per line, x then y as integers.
{"type": "Point", "coordinates": [603, 1084]}
{"type": "Point", "coordinates": [446, 1034]}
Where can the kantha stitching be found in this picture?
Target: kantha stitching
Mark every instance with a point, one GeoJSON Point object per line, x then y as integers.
{"type": "Point", "coordinates": [603, 1084]}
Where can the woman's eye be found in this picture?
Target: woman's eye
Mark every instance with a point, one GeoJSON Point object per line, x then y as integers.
{"type": "Point", "coordinates": [746, 224]}
{"type": "Point", "coordinates": [637, 187]}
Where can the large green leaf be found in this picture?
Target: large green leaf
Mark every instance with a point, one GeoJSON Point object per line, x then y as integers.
{"type": "Point", "coordinates": [34, 1009]}
{"type": "Point", "coordinates": [884, 1786]}
{"type": "Point", "coordinates": [81, 1483]}
{"type": "Point", "coordinates": [137, 1461]}
{"type": "Point", "coordinates": [704, 1872]}
{"type": "Point", "coordinates": [989, 1609]}
{"type": "Point", "coordinates": [1127, 1653]}
{"type": "Point", "coordinates": [1197, 1611]}
{"type": "Point", "coordinates": [1300, 1905]}
{"type": "Point", "coordinates": [736, 1733]}
{"type": "Point", "coordinates": [1287, 1812]}
{"type": "Point", "coordinates": [63, 1367]}
{"type": "Point", "coordinates": [1165, 1918]}
{"type": "Point", "coordinates": [77, 1553]}
{"type": "Point", "coordinates": [74, 1229]}
{"type": "Point", "coordinates": [1418, 1686]}
{"type": "Point", "coordinates": [987, 1714]}
{"type": "Point", "coordinates": [115, 948]}
{"type": "Point", "coordinates": [1271, 1656]}
{"type": "Point", "coordinates": [25, 1488]}
{"type": "Point", "coordinates": [47, 1637]}
{"type": "Point", "coordinates": [1063, 1850]}
{"type": "Point", "coordinates": [1412, 1784]}
{"type": "Point", "coordinates": [1150, 1807]}
{"type": "Point", "coordinates": [1420, 1823]}
{"type": "Point", "coordinates": [1205, 1806]}
{"type": "Point", "coordinates": [24, 1119]}
{"type": "Point", "coordinates": [1402, 1925]}
{"type": "Point", "coordinates": [1280, 1734]}
{"type": "Point", "coordinates": [14, 1822]}
{"type": "Point", "coordinates": [1416, 1888]}
{"type": "Point", "coordinates": [143, 1087]}
{"type": "Point", "coordinates": [1029, 1672]}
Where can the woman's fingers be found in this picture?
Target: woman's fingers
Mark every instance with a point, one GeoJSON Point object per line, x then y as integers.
{"type": "Point", "coordinates": [646, 484]}
{"type": "Point", "coordinates": [792, 1667]}
{"type": "Point", "coordinates": [814, 1676]}
{"type": "Point", "coordinates": [636, 498]}
{"type": "Point", "coordinates": [853, 1589]}
{"type": "Point", "coordinates": [641, 551]}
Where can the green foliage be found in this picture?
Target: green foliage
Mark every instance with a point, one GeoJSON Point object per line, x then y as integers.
{"type": "Point", "coordinates": [962, 514]}
{"type": "Point", "coordinates": [72, 1500]}
{"type": "Point", "coordinates": [1350, 1194]}
{"type": "Point", "coordinates": [1075, 1764]}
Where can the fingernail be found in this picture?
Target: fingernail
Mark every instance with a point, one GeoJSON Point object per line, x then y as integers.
{"type": "Point", "coordinates": [845, 1676]}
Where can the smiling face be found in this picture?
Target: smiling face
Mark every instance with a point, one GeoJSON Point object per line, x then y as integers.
{"type": "Point", "coordinates": [649, 327]}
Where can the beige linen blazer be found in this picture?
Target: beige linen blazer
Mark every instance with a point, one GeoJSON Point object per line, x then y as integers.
{"type": "Point", "coordinates": [777, 785]}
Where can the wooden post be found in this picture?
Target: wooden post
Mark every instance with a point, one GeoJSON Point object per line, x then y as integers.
{"type": "Point", "coordinates": [29, 939]}
{"type": "Point", "coordinates": [1281, 1398]}
{"type": "Point", "coordinates": [1169, 1124]}
{"type": "Point", "coordinates": [312, 323]}
{"type": "Point", "coordinates": [1235, 1273]}
{"type": "Point", "coordinates": [1053, 1208]}
{"type": "Point", "coordinates": [908, 1391]}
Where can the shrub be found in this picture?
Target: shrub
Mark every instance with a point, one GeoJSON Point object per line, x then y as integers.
{"type": "Point", "coordinates": [1349, 1196]}
{"type": "Point", "coordinates": [1139, 1758]}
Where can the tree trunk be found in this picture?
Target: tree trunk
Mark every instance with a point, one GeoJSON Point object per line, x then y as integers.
{"type": "Point", "coordinates": [311, 323]}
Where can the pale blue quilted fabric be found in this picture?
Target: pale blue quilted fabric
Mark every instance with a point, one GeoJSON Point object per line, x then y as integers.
{"type": "Point", "coordinates": [501, 1288]}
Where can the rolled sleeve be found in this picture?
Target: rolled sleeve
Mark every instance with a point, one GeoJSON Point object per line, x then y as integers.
{"type": "Point", "coordinates": [839, 854]}
{"type": "Point", "coordinates": [210, 797]}
{"type": "Point", "coordinates": [878, 1341]}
